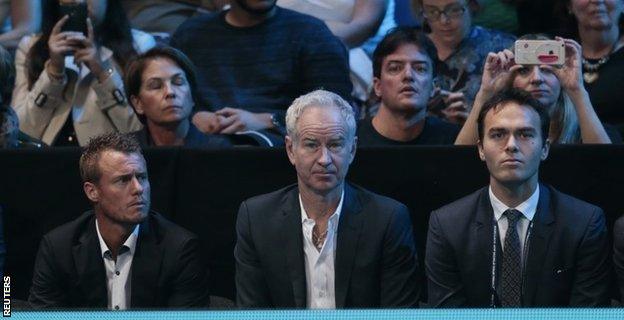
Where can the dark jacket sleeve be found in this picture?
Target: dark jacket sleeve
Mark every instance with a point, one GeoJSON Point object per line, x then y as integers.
{"type": "Point", "coordinates": [47, 290]}
{"type": "Point", "coordinates": [445, 288]}
{"type": "Point", "coordinates": [591, 279]}
{"type": "Point", "coordinates": [190, 286]}
{"type": "Point", "coordinates": [251, 287]}
{"type": "Point", "coordinates": [400, 279]}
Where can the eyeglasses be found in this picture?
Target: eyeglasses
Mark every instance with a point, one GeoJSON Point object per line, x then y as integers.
{"type": "Point", "coordinates": [452, 12]}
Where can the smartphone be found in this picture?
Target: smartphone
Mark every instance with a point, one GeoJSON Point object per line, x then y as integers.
{"type": "Point", "coordinates": [77, 13]}
{"type": "Point", "coordinates": [551, 52]}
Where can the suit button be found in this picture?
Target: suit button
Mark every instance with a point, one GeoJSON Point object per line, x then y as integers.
{"type": "Point", "coordinates": [117, 272]}
{"type": "Point", "coordinates": [116, 307]}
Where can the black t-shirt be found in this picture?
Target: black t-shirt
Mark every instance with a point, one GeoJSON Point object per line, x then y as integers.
{"type": "Point", "coordinates": [606, 92]}
{"type": "Point", "coordinates": [435, 132]}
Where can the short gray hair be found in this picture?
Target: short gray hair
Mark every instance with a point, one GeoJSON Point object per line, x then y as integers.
{"type": "Point", "coordinates": [319, 98]}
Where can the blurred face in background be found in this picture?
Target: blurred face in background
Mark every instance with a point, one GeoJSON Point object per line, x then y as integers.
{"type": "Point", "coordinates": [541, 83]}
{"type": "Point", "coordinates": [596, 14]}
{"type": "Point", "coordinates": [449, 20]}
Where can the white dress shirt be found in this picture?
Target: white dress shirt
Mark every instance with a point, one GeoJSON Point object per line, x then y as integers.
{"type": "Point", "coordinates": [319, 266]}
{"type": "Point", "coordinates": [118, 274]}
{"type": "Point", "coordinates": [527, 208]}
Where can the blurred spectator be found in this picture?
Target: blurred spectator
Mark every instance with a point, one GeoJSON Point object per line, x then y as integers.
{"type": "Point", "coordinates": [254, 59]}
{"type": "Point", "coordinates": [360, 24]}
{"type": "Point", "coordinates": [561, 90]}
{"type": "Point", "coordinates": [462, 49]}
{"type": "Point", "coordinates": [598, 25]}
{"type": "Point", "coordinates": [404, 69]}
{"type": "Point", "coordinates": [68, 84]}
{"type": "Point", "coordinates": [496, 14]}
{"type": "Point", "coordinates": [164, 16]}
{"type": "Point", "coordinates": [162, 88]}
{"type": "Point", "coordinates": [18, 18]}
{"type": "Point", "coordinates": [10, 135]}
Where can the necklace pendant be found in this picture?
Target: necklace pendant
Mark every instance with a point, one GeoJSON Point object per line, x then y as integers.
{"type": "Point", "coordinates": [590, 77]}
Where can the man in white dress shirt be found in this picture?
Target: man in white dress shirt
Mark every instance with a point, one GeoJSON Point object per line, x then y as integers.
{"type": "Point", "coordinates": [323, 243]}
{"type": "Point", "coordinates": [516, 243]}
{"type": "Point", "coordinates": [120, 255]}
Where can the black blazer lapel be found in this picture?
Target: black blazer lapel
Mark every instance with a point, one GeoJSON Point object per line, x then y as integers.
{"type": "Point", "coordinates": [537, 246]}
{"type": "Point", "coordinates": [292, 236]}
{"type": "Point", "coordinates": [349, 230]}
{"type": "Point", "coordinates": [146, 265]}
{"type": "Point", "coordinates": [483, 231]}
{"type": "Point", "coordinates": [90, 270]}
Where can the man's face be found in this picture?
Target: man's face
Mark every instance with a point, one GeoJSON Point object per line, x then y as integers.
{"type": "Point", "coordinates": [257, 7]}
{"type": "Point", "coordinates": [165, 95]}
{"type": "Point", "coordinates": [322, 150]}
{"type": "Point", "coordinates": [406, 80]}
{"type": "Point", "coordinates": [122, 194]}
{"type": "Point", "coordinates": [512, 144]}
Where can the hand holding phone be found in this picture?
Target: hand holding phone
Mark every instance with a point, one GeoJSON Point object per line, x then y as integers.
{"type": "Point", "coordinates": [77, 13]}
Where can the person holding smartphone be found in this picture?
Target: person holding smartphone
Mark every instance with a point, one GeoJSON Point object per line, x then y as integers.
{"type": "Point", "coordinates": [68, 85]}
{"type": "Point", "coordinates": [559, 88]}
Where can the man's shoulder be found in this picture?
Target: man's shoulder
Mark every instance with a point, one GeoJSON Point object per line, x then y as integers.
{"type": "Point", "coordinates": [374, 201]}
{"type": "Point", "coordinates": [271, 199]}
{"type": "Point", "coordinates": [168, 230]}
{"type": "Point", "coordinates": [457, 209]}
{"type": "Point", "coordinates": [200, 22]}
{"type": "Point", "coordinates": [69, 232]}
{"type": "Point", "coordinates": [288, 15]}
{"type": "Point", "coordinates": [565, 205]}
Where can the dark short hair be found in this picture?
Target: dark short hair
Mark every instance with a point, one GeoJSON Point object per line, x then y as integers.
{"type": "Point", "coordinates": [134, 71]}
{"type": "Point", "coordinates": [121, 142]}
{"type": "Point", "coordinates": [520, 97]}
{"type": "Point", "coordinates": [399, 36]}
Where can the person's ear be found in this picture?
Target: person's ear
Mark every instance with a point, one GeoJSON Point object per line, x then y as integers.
{"type": "Point", "coordinates": [137, 104]}
{"type": "Point", "coordinates": [377, 86]}
{"type": "Point", "coordinates": [91, 191]}
{"type": "Point", "coordinates": [480, 147]}
{"type": "Point", "coordinates": [545, 149]}
{"type": "Point", "coordinates": [289, 149]}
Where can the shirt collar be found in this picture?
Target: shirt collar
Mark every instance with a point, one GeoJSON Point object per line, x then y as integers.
{"type": "Point", "coordinates": [527, 208]}
{"type": "Point", "coordinates": [333, 217]}
{"type": "Point", "coordinates": [130, 242]}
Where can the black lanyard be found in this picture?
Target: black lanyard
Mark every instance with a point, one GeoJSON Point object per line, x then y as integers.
{"type": "Point", "coordinates": [525, 253]}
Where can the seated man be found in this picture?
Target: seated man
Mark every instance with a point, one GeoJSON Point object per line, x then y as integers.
{"type": "Point", "coordinates": [254, 59]}
{"type": "Point", "coordinates": [324, 243]}
{"type": "Point", "coordinates": [162, 88]}
{"type": "Point", "coordinates": [403, 79]}
{"type": "Point", "coordinates": [119, 255]}
{"type": "Point", "coordinates": [517, 243]}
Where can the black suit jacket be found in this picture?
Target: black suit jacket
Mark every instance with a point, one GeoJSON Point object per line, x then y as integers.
{"type": "Point", "coordinates": [166, 268]}
{"type": "Point", "coordinates": [567, 262]}
{"type": "Point", "coordinates": [375, 265]}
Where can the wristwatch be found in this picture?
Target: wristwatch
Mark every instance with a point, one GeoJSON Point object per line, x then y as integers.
{"type": "Point", "coordinates": [276, 120]}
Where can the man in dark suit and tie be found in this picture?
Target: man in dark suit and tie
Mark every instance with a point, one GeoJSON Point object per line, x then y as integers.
{"type": "Point", "coordinates": [119, 255]}
{"type": "Point", "coordinates": [323, 243]}
{"type": "Point", "coordinates": [516, 243]}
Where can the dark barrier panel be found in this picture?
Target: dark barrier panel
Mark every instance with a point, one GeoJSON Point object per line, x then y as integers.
{"type": "Point", "coordinates": [201, 190]}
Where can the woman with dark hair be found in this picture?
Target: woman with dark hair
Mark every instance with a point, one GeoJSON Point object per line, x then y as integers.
{"type": "Point", "coordinates": [597, 25]}
{"type": "Point", "coordinates": [161, 85]}
{"type": "Point", "coordinates": [68, 83]}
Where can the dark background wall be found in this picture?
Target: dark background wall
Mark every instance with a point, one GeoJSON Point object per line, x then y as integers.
{"type": "Point", "coordinates": [201, 190]}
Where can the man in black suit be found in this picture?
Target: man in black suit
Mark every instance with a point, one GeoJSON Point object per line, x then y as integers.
{"type": "Point", "coordinates": [518, 243]}
{"type": "Point", "coordinates": [324, 243]}
{"type": "Point", "coordinates": [119, 255]}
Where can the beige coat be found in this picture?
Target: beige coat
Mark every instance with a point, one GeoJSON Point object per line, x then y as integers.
{"type": "Point", "coordinates": [42, 111]}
